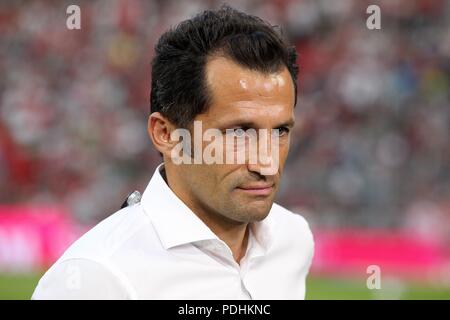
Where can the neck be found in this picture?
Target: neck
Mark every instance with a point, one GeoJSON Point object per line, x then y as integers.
{"type": "Point", "coordinates": [233, 233]}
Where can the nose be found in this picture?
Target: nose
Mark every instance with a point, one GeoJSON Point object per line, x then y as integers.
{"type": "Point", "coordinates": [266, 161]}
{"type": "Point", "coordinates": [263, 170]}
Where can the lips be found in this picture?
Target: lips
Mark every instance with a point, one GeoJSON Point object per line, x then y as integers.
{"type": "Point", "coordinates": [257, 189]}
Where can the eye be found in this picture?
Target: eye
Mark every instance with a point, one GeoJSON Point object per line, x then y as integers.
{"type": "Point", "coordinates": [238, 132]}
{"type": "Point", "coordinates": [282, 131]}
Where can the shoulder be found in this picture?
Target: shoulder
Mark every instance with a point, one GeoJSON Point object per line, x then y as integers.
{"type": "Point", "coordinates": [288, 220]}
{"type": "Point", "coordinates": [121, 231]}
{"type": "Point", "coordinates": [81, 278]}
{"type": "Point", "coordinates": [91, 261]}
{"type": "Point", "coordinates": [292, 227]}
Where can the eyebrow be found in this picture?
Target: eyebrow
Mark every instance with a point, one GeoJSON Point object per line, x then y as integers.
{"type": "Point", "coordinates": [250, 124]}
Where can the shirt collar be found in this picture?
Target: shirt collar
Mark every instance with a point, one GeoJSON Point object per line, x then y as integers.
{"type": "Point", "coordinates": [263, 233]}
{"type": "Point", "coordinates": [175, 222]}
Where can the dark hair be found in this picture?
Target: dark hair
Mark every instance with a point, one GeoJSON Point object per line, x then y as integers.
{"type": "Point", "coordinates": [179, 88]}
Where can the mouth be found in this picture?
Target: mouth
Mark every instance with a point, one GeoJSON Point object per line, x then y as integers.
{"type": "Point", "coordinates": [257, 190]}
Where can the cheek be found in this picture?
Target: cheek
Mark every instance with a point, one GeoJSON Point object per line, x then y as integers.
{"type": "Point", "coordinates": [228, 176]}
{"type": "Point", "coordinates": [209, 178]}
{"type": "Point", "coordinates": [283, 151]}
{"type": "Point", "coordinates": [200, 179]}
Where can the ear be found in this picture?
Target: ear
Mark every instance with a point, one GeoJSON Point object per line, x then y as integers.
{"type": "Point", "coordinates": [159, 129]}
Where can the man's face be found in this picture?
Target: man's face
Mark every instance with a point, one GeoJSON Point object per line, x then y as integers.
{"type": "Point", "coordinates": [241, 98]}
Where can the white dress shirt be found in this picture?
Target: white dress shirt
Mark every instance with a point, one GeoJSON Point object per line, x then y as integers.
{"type": "Point", "coordinates": [159, 249]}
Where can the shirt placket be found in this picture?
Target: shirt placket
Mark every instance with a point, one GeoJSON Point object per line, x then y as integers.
{"type": "Point", "coordinates": [217, 247]}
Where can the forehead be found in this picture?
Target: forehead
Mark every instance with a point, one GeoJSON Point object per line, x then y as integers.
{"type": "Point", "coordinates": [237, 91]}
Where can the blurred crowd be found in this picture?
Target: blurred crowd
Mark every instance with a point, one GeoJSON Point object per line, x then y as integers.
{"type": "Point", "coordinates": [371, 145]}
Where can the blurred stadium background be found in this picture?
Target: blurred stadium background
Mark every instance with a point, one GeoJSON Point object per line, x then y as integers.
{"type": "Point", "coordinates": [370, 160]}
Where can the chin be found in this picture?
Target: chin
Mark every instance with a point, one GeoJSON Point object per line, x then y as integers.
{"type": "Point", "coordinates": [257, 212]}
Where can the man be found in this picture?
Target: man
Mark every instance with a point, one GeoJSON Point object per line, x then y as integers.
{"type": "Point", "coordinates": [202, 230]}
